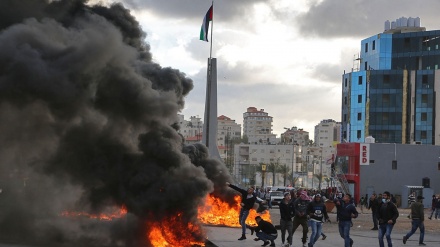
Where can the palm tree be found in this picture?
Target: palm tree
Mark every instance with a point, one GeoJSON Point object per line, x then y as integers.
{"type": "Point", "coordinates": [319, 177]}
{"type": "Point", "coordinates": [283, 170]}
{"type": "Point", "coordinates": [293, 180]}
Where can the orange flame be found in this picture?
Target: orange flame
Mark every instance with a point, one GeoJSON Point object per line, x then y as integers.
{"type": "Point", "coordinates": [116, 214]}
{"type": "Point", "coordinates": [217, 212]}
{"type": "Point", "coordinates": [172, 232]}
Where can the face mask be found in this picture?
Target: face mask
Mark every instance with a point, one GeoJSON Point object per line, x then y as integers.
{"type": "Point", "coordinates": [384, 200]}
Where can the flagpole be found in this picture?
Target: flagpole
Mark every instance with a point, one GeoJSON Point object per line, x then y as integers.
{"type": "Point", "coordinates": [212, 29]}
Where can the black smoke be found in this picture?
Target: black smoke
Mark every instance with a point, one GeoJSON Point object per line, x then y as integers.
{"type": "Point", "coordinates": [88, 122]}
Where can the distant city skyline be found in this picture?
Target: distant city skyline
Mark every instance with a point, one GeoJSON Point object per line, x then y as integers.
{"type": "Point", "coordinates": [285, 57]}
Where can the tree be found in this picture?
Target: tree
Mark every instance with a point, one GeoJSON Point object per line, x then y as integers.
{"type": "Point", "coordinates": [293, 180]}
{"type": "Point", "coordinates": [319, 177]}
{"type": "Point", "coordinates": [283, 169]}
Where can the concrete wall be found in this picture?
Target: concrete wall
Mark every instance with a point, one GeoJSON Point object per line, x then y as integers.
{"type": "Point", "coordinates": [414, 162]}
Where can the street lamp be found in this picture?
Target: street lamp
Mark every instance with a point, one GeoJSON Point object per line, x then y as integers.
{"type": "Point", "coordinates": [263, 171]}
{"type": "Point", "coordinates": [320, 169]}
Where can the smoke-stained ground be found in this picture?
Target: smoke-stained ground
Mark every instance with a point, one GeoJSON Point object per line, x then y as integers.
{"type": "Point", "coordinates": [88, 122]}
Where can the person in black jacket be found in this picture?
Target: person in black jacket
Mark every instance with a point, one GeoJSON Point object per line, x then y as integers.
{"type": "Point", "coordinates": [248, 199]}
{"type": "Point", "coordinates": [345, 212]}
{"type": "Point", "coordinates": [387, 216]}
{"type": "Point", "coordinates": [301, 215]}
{"type": "Point", "coordinates": [373, 204]}
{"type": "Point", "coordinates": [265, 231]}
{"type": "Point", "coordinates": [318, 214]}
{"type": "Point", "coordinates": [287, 211]}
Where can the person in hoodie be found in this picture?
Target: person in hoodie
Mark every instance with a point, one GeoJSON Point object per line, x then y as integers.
{"type": "Point", "coordinates": [317, 212]}
{"type": "Point", "coordinates": [287, 211]}
{"type": "Point", "coordinates": [346, 211]}
{"type": "Point", "coordinates": [248, 199]}
{"type": "Point", "coordinates": [387, 216]}
{"type": "Point", "coordinates": [301, 204]}
{"type": "Point", "coordinates": [265, 231]}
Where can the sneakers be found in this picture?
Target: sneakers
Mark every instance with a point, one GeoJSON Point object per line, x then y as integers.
{"type": "Point", "coordinates": [351, 242]}
{"type": "Point", "coordinates": [430, 218]}
{"type": "Point", "coordinates": [422, 244]}
{"type": "Point", "coordinates": [324, 237]}
{"type": "Point", "coordinates": [256, 239]}
{"type": "Point", "coordinates": [243, 237]}
{"type": "Point", "coordinates": [272, 243]}
{"type": "Point", "coordinates": [374, 228]}
{"type": "Point", "coordinates": [405, 239]}
{"type": "Point", "coordinates": [267, 242]}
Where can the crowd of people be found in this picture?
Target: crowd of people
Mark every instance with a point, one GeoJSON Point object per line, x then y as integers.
{"type": "Point", "coordinates": [308, 210]}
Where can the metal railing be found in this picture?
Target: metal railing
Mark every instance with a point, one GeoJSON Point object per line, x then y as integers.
{"type": "Point", "coordinates": [340, 181]}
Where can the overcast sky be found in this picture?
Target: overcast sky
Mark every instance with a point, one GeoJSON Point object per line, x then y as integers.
{"type": "Point", "coordinates": [286, 57]}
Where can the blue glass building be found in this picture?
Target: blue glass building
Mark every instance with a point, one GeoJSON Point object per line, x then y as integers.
{"type": "Point", "coordinates": [391, 95]}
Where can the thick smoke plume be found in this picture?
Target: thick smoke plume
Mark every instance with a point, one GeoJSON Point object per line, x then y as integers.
{"type": "Point", "coordinates": [88, 124]}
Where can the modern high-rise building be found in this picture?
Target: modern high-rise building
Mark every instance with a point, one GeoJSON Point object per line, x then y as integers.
{"type": "Point", "coordinates": [257, 126]}
{"type": "Point", "coordinates": [391, 93]}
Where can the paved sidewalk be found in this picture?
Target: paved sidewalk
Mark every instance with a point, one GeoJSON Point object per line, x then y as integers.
{"type": "Point", "coordinates": [227, 237]}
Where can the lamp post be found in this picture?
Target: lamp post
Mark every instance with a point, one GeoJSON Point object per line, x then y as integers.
{"type": "Point", "coordinates": [320, 169]}
{"type": "Point", "coordinates": [263, 171]}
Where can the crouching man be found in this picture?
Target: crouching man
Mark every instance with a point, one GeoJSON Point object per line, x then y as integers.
{"type": "Point", "coordinates": [265, 231]}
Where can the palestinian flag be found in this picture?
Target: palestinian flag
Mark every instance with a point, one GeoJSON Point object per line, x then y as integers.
{"type": "Point", "coordinates": [205, 25]}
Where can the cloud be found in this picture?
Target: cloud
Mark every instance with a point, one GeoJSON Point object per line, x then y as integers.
{"type": "Point", "coordinates": [226, 10]}
{"type": "Point", "coordinates": [360, 18]}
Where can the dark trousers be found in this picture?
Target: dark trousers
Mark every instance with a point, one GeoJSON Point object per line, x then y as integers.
{"type": "Point", "coordinates": [303, 222]}
{"type": "Point", "coordinates": [374, 215]}
{"type": "Point", "coordinates": [286, 225]}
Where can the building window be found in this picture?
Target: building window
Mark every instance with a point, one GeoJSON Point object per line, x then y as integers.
{"type": "Point", "coordinates": [394, 165]}
{"type": "Point", "coordinates": [359, 116]}
{"type": "Point", "coordinates": [424, 116]}
{"type": "Point", "coordinates": [373, 47]}
{"type": "Point", "coordinates": [345, 117]}
{"type": "Point", "coordinates": [406, 42]}
{"type": "Point", "coordinates": [386, 79]}
{"type": "Point", "coordinates": [359, 134]}
{"type": "Point", "coordinates": [425, 79]}
{"type": "Point", "coordinates": [345, 100]}
{"type": "Point", "coordinates": [386, 99]}
{"type": "Point", "coordinates": [424, 99]}
{"type": "Point", "coordinates": [359, 98]}
{"type": "Point", "coordinates": [360, 80]}
{"type": "Point", "coordinates": [423, 134]}
{"type": "Point", "coordinates": [366, 47]}
{"type": "Point", "coordinates": [346, 82]}
{"type": "Point", "coordinates": [366, 65]}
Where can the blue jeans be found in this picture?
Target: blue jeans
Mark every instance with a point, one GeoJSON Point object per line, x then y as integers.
{"type": "Point", "coordinates": [414, 225]}
{"type": "Point", "coordinates": [385, 229]}
{"type": "Point", "coordinates": [264, 236]}
{"type": "Point", "coordinates": [316, 231]}
{"type": "Point", "coordinates": [344, 231]}
{"type": "Point", "coordinates": [242, 219]}
{"type": "Point", "coordinates": [437, 213]}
